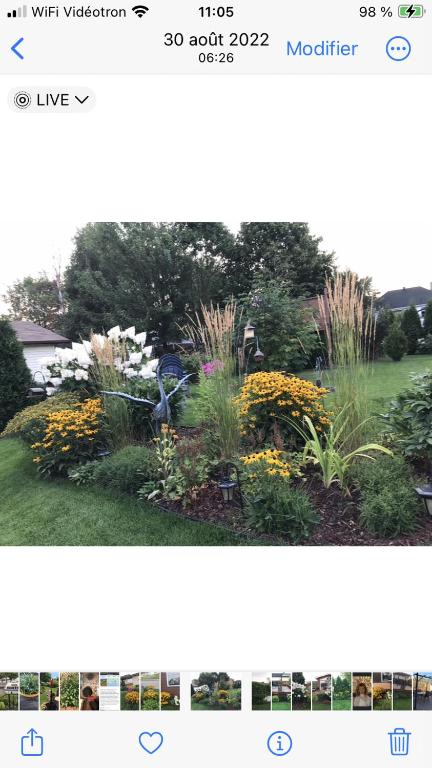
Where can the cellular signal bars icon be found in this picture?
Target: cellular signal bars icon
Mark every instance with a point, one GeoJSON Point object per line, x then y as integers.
{"type": "Point", "coordinates": [19, 13]}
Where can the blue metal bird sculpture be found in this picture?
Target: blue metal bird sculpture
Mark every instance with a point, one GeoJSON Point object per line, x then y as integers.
{"type": "Point", "coordinates": [161, 411]}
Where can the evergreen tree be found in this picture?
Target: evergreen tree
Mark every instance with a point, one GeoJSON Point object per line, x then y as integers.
{"type": "Point", "coordinates": [15, 377]}
{"type": "Point", "coordinates": [395, 343]}
{"type": "Point", "coordinates": [427, 325]}
{"type": "Point", "coordinates": [412, 328]}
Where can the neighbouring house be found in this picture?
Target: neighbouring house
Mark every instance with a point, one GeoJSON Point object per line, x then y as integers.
{"type": "Point", "coordinates": [398, 301]}
{"type": "Point", "coordinates": [402, 681]}
{"type": "Point", "coordinates": [281, 683]}
{"type": "Point", "coordinates": [322, 683]}
{"type": "Point", "coordinates": [38, 342]}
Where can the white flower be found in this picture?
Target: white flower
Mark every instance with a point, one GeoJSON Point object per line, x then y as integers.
{"type": "Point", "coordinates": [148, 351]}
{"type": "Point", "coordinates": [129, 333]}
{"type": "Point", "coordinates": [87, 346]}
{"type": "Point", "coordinates": [65, 355]}
{"type": "Point", "coordinates": [67, 373]}
{"type": "Point", "coordinates": [135, 358]}
{"type": "Point", "coordinates": [55, 381]}
{"type": "Point", "coordinates": [140, 338]}
{"type": "Point", "coordinates": [44, 362]}
{"type": "Point", "coordinates": [153, 364]}
{"type": "Point", "coordinates": [99, 340]}
{"type": "Point", "coordinates": [81, 354]}
{"type": "Point", "coordinates": [50, 391]}
{"type": "Point", "coordinates": [130, 373]}
{"type": "Point", "coordinates": [81, 375]}
{"type": "Point", "coordinates": [147, 372]}
{"type": "Point", "coordinates": [114, 333]}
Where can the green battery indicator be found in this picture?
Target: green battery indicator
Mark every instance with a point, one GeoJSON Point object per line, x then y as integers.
{"type": "Point", "coordinates": [411, 11]}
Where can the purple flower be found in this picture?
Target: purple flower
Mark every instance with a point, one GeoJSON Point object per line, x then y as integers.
{"type": "Point", "coordinates": [209, 369]}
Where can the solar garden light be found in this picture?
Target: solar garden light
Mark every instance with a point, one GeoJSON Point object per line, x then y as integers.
{"type": "Point", "coordinates": [229, 484]}
{"type": "Point", "coordinates": [425, 493]}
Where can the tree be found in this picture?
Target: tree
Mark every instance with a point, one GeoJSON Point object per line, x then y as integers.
{"type": "Point", "coordinates": [286, 332]}
{"type": "Point", "coordinates": [427, 325]}
{"type": "Point", "coordinates": [283, 251]}
{"type": "Point", "coordinates": [15, 377]}
{"type": "Point", "coordinates": [412, 328]}
{"type": "Point", "coordinates": [36, 299]}
{"type": "Point", "coordinates": [384, 320]}
{"type": "Point", "coordinates": [395, 343]}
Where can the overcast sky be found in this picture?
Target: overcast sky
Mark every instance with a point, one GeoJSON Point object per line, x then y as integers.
{"type": "Point", "coordinates": [394, 254]}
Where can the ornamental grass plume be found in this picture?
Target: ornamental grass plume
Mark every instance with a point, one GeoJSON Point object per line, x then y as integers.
{"type": "Point", "coordinates": [106, 377]}
{"type": "Point", "coordinates": [350, 332]}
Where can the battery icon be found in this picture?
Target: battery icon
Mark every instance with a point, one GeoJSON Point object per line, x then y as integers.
{"type": "Point", "coordinates": [411, 11]}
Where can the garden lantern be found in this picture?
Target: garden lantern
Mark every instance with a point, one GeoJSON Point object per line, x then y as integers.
{"type": "Point", "coordinates": [249, 331]}
{"type": "Point", "coordinates": [425, 493]}
{"type": "Point", "coordinates": [229, 484]}
{"type": "Point", "coordinates": [259, 356]}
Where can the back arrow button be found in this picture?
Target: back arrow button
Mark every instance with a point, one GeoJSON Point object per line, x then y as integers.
{"type": "Point", "coordinates": [15, 46]}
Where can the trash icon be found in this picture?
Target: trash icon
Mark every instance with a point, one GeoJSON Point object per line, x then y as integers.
{"type": "Point", "coordinates": [399, 742]}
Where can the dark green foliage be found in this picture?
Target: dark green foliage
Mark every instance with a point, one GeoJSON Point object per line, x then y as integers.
{"type": "Point", "coordinates": [142, 423]}
{"type": "Point", "coordinates": [412, 328]}
{"type": "Point", "coordinates": [281, 510]}
{"type": "Point", "coordinates": [286, 331]}
{"type": "Point", "coordinates": [409, 419]}
{"type": "Point", "coordinates": [425, 345]}
{"type": "Point", "coordinates": [389, 505]}
{"type": "Point", "coordinates": [285, 251]}
{"type": "Point", "coordinates": [15, 377]}
{"type": "Point", "coordinates": [384, 322]}
{"type": "Point", "coordinates": [261, 692]}
{"type": "Point", "coordinates": [427, 324]}
{"type": "Point", "coordinates": [395, 343]}
{"type": "Point", "coordinates": [126, 470]}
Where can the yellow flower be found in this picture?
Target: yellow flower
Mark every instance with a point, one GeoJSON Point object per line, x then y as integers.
{"type": "Point", "coordinates": [66, 448]}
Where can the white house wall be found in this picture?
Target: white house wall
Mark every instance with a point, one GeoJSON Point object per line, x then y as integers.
{"type": "Point", "coordinates": [34, 353]}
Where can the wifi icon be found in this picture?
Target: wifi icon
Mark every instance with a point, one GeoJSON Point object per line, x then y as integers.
{"type": "Point", "coordinates": [140, 10]}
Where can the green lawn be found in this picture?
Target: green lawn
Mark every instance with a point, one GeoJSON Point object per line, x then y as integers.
{"type": "Point", "coordinates": [402, 701]}
{"type": "Point", "coordinates": [388, 378]}
{"type": "Point", "coordinates": [279, 706]}
{"type": "Point", "coordinates": [341, 705]}
{"type": "Point", "coordinates": [55, 512]}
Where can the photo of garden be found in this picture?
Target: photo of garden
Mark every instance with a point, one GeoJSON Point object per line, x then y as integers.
{"type": "Point", "coordinates": [402, 691]}
{"type": "Point", "coordinates": [69, 691]}
{"type": "Point", "coordinates": [382, 691]}
{"type": "Point", "coordinates": [9, 691]}
{"type": "Point", "coordinates": [261, 691]}
{"type": "Point", "coordinates": [150, 690]}
{"type": "Point", "coordinates": [322, 692]}
{"type": "Point", "coordinates": [49, 691]}
{"type": "Point", "coordinates": [29, 691]}
{"type": "Point", "coordinates": [362, 691]}
{"type": "Point", "coordinates": [301, 692]}
{"type": "Point", "coordinates": [281, 691]}
{"type": "Point", "coordinates": [216, 691]}
{"type": "Point", "coordinates": [89, 691]}
{"type": "Point", "coordinates": [422, 693]}
{"type": "Point", "coordinates": [130, 691]}
{"type": "Point", "coordinates": [195, 384]}
{"type": "Point", "coordinates": [342, 692]}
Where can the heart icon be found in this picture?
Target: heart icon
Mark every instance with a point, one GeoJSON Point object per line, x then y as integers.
{"type": "Point", "coordinates": [150, 742]}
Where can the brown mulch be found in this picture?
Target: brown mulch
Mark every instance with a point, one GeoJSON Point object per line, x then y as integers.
{"type": "Point", "coordinates": [338, 524]}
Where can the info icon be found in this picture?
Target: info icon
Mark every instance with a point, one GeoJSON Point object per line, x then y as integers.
{"type": "Point", "coordinates": [279, 743]}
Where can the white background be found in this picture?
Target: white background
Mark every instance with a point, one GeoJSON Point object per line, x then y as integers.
{"type": "Point", "coordinates": [225, 148]}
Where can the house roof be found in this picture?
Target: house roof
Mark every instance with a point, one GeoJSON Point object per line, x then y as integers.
{"type": "Point", "coordinates": [404, 297]}
{"type": "Point", "coordinates": [30, 333]}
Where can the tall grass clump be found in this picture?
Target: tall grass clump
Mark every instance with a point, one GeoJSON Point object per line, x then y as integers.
{"type": "Point", "coordinates": [350, 333]}
{"type": "Point", "coordinates": [213, 331]}
{"type": "Point", "coordinates": [105, 376]}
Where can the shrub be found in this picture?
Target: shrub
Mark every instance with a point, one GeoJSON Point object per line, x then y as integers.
{"type": "Point", "coordinates": [141, 423]}
{"type": "Point", "coordinates": [389, 505]}
{"type": "Point", "coordinates": [412, 328]}
{"type": "Point", "coordinates": [409, 419]}
{"type": "Point", "coordinates": [425, 345]}
{"type": "Point", "coordinates": [265, 397]}
{"type": "Point", "coordinates": [124, 471]}
{"type": "Point", "coordinates": [21, 421]}
{"type": "Point", "coordinates": [68, 437]}
{"type": "Point", "coordinates": [150, 704]}
{"type": "Point", "coordinates": [395, 343]}
{"type": "Point", "coordinates": [427, 326]}
{"type": "Point", "coordinates": [193, 465]}
{"type": "Point", "coordinates": [15, 377]}
{"type": "Point", "coordinates": [274, 507]}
